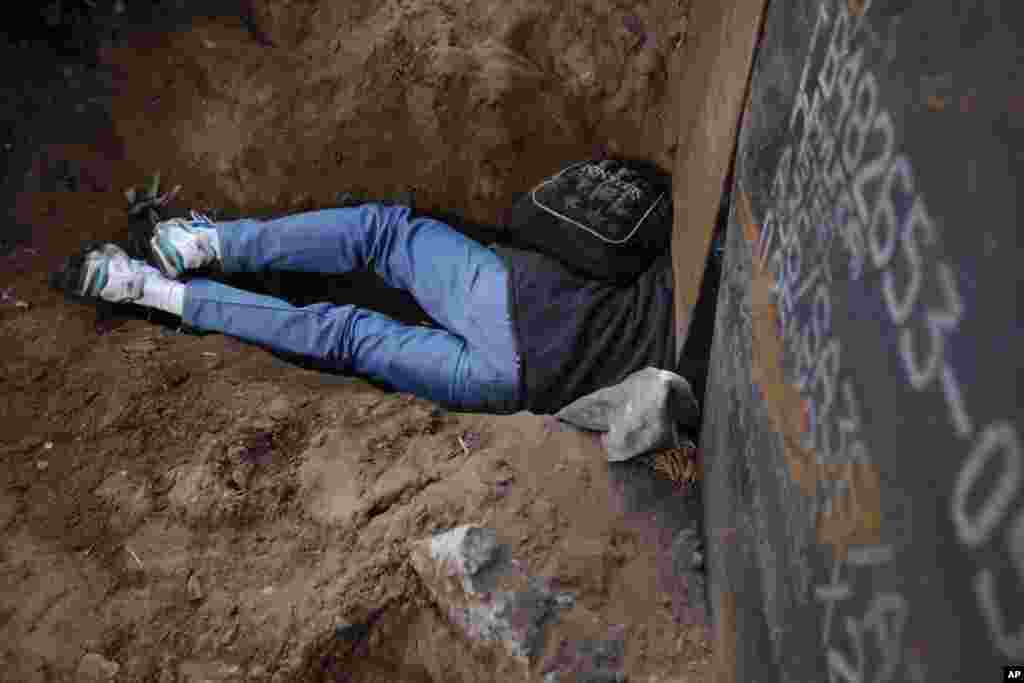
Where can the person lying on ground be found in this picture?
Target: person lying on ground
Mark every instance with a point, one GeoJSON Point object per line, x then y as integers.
{"type": "Point", "coordinates": [517, 330]}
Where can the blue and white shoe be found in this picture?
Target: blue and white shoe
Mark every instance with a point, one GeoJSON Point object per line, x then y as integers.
{"type": "Point", "coordinates": [103, 272]}
{"type": "Point", "coordinates": [180, 244]}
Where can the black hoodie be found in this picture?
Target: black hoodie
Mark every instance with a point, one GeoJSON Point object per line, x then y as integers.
{"type": "Point", "coordinates": [578, 335]}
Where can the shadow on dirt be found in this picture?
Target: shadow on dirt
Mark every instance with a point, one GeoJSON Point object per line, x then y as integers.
{"type": "Point", "coordinates": [55, 47]}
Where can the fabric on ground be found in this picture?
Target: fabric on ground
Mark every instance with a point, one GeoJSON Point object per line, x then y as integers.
{"type": "Point", "coordinates": [647, 411]}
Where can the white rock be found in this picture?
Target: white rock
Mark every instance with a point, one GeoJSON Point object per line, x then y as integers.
{"type": "Point", "coordinates": [467, 549]}
{"type": "Point", "coordinates": [95, 667]}
{"type": "Point", "coordinates": [279, 408]}
{"type": "Point", "coordinates": [463, 569]}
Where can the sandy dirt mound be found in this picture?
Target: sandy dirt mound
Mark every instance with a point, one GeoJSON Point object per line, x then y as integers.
{"type": "Point", "coordinates": [450, 98]}
{"type": "Point", "coordinates": [181, 508]}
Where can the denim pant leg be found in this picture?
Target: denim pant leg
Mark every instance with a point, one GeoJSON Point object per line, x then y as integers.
{"type": "Point", "coordinates": [472, 365]}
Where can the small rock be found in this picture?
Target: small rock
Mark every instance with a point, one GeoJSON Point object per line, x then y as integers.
{"type": "Point", "coordinates": [279, 408]}
{"type": "Point", "coordinates": [194, 588]}
{"type": "Point", "coordinates": [242, 475]}
{"type": "Point", "coordinates": [470, 548]}
{"type": "Point", "coordinates": [565, 600]}
{"type": "Point", "coordinates": [351, 633]}
{"type": "Point", "coordinates": [140, 346]}
{"type": "Point", "coordinates": [42, 465]}
{"type": "Point", "coordinates": [22, 304]}
{"type": "Point", "coordinates": [697, 560]}
{"type": "Point", "coordinates": [48, 445]}
{"type": "Point", "coordinates": [229, 636]}
{"type": "Point", "coordinates": [95, 667]}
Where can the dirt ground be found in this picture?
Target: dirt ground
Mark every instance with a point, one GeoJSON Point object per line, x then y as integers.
{"type": "Point", "coordinates": [191, 508]}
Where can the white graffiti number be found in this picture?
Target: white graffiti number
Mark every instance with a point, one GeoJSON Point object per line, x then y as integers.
{"type": "Point", "coordinates": [844, 189]}
{"type": "Point", "coordinates": [999, 444]}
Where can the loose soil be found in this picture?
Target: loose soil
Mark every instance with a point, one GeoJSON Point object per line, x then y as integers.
{"type": "Point", "coordinates": [192, 508]}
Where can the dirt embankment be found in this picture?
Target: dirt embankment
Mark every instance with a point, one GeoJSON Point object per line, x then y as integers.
{"type": "Point", "coordinates": [180, 508]}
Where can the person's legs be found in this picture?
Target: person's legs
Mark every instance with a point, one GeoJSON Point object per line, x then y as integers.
{"type": "Point", "coordinates": [472, 366]}
{"type": "Point", "coordinates": [461, 284]}
{"type": "Point", "coordinates": [437, 265]}
{"type": "Point", "coordinates": [430, 363]}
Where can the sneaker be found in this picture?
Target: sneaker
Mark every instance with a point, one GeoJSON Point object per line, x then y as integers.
{"type": "Point", "coordinates": [103, 272]}
{"type": "Point", "coordinates": [181, 244]}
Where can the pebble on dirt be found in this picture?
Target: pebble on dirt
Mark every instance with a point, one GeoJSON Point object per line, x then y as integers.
{"type": "Point", "coordinates": [194, 588]}
{"type": "Point", "coordinates": [94, 667]}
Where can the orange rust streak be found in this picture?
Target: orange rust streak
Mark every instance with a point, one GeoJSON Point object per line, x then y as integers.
{"type": "Point", "coordinates": [725, 637]}
{"type": "Point", "coordinates": [856, 7]}
{"type": "Point", "coordinates": [855, 516]}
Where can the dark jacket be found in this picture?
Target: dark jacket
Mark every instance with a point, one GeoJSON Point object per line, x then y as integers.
{"type": "Point", "coordinates": [578, 335]}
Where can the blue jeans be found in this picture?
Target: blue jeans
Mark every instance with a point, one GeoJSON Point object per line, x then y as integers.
{"type": "Point", "coordinates": [471, 365]}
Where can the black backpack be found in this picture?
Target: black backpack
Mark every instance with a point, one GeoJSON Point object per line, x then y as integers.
{"type": "Point", "coordinates": [606, 219]}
